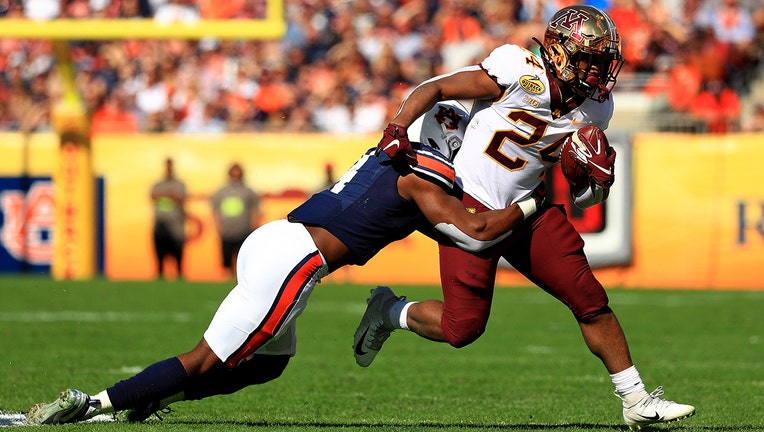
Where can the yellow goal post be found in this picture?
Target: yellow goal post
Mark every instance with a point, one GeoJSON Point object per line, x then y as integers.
{"type": "Point", "coordinates": [273, 26]}
{"type": "Point", "coordinates": [74, 237]}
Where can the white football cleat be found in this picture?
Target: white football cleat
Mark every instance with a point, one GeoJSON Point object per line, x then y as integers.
{"type": "Point", "coordinates": [652, 409]}
{"type": "Point", "coordinates": [373, 331]}
{"type": "Point", "coordinates": [71, 406]}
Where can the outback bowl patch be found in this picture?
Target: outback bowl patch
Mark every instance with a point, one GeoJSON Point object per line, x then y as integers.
{"type": "Point", "coordinates": [532, 84]}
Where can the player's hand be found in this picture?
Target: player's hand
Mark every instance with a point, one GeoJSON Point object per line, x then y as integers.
{"type": "Point", "coordinates": [539, 194]}
{"type": "Point", "coordinates": [395, 143]}
{"type": "Point", "coordinates": [599, 165]}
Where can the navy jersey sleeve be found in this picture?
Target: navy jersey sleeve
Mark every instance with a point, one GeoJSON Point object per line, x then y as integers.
{"type": "Point", "coordinates": [363, 209]}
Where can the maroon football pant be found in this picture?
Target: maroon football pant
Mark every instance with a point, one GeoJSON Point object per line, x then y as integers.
{"type": "Point", "coordinates": [546, 249]}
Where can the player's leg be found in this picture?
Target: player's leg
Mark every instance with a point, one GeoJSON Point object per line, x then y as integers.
{"type": "Point", "coordinates": [177, 253]}
{"type": "Point", "coordinates": [159, 249]}
{"type": "Point", "coordinates": [235, 249]}
{"type": "Point", "coordinates": [258, 369]}
{"type": "Point", "coordinates": [226, 249]}
{"type": "Point", "coordinates": [551, 255]}
{"type": "Point", "coordinates": [467, 280]}
{"type": "Point", "coordinates": [163, 380]}
{"type": "Point", "coordinates": [424, 318]}
{"type": "Point", "coordinates": [279, 265]}
{"type": "Point", "coordinates": [468, 283]}
{"type": "Point", "coordinates": [215, 380]}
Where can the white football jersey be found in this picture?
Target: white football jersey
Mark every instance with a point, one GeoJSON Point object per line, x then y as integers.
{"type": "Point", "coordinates": [510, 142]}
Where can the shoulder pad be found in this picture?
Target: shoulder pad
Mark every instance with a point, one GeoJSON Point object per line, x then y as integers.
{"type": "Point", "coordinates": [433, 166]}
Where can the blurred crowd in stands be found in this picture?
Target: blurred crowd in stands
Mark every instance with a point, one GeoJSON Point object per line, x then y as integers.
{"type": "Point", "coordinates": [344, 65]}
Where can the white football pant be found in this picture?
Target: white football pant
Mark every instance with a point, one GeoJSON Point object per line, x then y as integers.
{"type": "Point", "coordinates": [277, 267]}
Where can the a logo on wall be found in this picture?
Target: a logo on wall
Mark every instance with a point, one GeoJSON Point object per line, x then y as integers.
{"type": "Point", "coordinates": [27, 226]}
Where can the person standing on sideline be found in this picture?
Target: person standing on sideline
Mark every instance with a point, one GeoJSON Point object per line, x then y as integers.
{"type": "Point", "coordinates": [236, 210]}
{"type": "Point", "coordinates": [169, 196]}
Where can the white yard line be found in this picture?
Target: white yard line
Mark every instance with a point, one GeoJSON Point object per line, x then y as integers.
{"type": "Point", "coordinates": [91, 316]}
{"type": "Point", "coordinates": [8, 419]}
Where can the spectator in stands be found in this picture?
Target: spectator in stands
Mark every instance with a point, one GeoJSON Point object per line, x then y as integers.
{"type": "Point", "coordinates": [274, 93]}
{"type": "Point", "coordinates": [177, 10]}
{"type": "Point", "coordinates": [203, 122]}
{"type": "Point", "coordinates": [401, 41]}
{"type": "Point", "coordinates": [216, 9]}
{"type": "Point", "coordinates": [635, 31]}
{"type": "Point", "coordinates": [41, 10]}
{"type": "Point", "coordinates": [461, 32]}
{"type": "Point", "coordinates": [734, 33]}
{"type": "Point", "coordinates": [755, 121]}
{"type": "Point", "coordinates": [152, 100]}
{"type": "Point", "coordinates": [113, 115]}
{"type": "Point", "coordinates": [77, 9]}
{"type": "Point", "coordinates": [685, 79]}
{"type": "Point", "coordinates": [758, 18]}
{"type": "Point", "coordinates": [718, 107]}
{"type": "Point", "coordinates": [733, 24]}
{"type": "Point", "coordinates": [334, 114]}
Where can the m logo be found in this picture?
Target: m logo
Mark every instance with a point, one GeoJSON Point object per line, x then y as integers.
{"type": "Point", "coordinates": [571, 20]}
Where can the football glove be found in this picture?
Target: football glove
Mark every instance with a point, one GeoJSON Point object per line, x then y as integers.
{"type": "Point", "coordinates": [539, 194]}
{"type": "Point", "coordinates": [600, 166]}
{"type": "Point", "coordinates": [395, 143]}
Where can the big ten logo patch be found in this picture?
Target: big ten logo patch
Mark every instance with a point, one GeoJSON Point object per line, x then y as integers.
{"type": "Point", "coordinates": [27, 223]}
{"type": "Point", "coordinates": [750, 221]}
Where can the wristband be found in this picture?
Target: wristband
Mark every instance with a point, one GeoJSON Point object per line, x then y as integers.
{"type": "Point", "coordinates": [528, 207]}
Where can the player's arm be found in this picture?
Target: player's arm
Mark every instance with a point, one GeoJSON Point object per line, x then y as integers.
{"type": "Point", "coordinates": [589, 196]}
{"type": "Point", "coordinates": [470, 231]}
{"type": "Point", "coordinates": [471, 82]}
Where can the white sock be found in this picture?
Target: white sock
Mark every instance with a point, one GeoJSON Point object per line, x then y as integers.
{"type": "Point", "coordinates": [403, 319]}
{"type": "Point", "coordinates": [106, 406]}
{"type": "Point", "coordinates": [628, 385]}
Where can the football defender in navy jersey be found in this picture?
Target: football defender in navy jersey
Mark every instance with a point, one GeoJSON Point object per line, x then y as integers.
{"type": "Point", "coordinates": [252, 335]}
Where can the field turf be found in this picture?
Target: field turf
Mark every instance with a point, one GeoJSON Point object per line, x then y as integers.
{"type": "Point", "coordinates": [530, 372]}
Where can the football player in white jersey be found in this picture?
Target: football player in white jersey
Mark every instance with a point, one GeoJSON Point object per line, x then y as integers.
{"type": "Point", "coordinates": [525, 106]}
{"type": "Point", "coordinates": [252, 335]}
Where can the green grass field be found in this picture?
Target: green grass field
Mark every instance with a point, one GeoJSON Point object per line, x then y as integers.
{"type": "Point", "coordinates": [529, 372]}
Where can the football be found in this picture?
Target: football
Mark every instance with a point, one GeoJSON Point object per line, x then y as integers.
{"type": "Point", "coordinates": [583, 138]}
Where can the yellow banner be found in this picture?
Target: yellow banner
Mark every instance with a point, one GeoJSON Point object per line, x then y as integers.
{"type": "Point", "coordinates": [697, 207]}
{"type": "Point", "coordinates": [284, 168]}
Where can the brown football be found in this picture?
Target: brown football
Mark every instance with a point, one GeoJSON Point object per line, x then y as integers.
{"type": "Point", "coordinates": [583, 138]}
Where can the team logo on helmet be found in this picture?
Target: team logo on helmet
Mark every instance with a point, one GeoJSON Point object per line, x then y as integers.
{"type": "Point", "coordinates": [448, 117]}
{"type": "Point", "coordinates": [531, 84]}
{"type": "Point", "coordinates": [570, 19]}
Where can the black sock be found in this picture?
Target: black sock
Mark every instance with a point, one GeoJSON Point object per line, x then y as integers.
{"type": "Point", "coordinates": [221, 380]}
{"type": "Point", "coordinates": [158, 381]}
